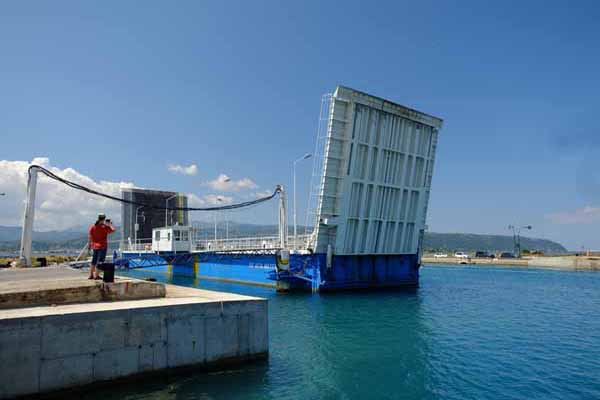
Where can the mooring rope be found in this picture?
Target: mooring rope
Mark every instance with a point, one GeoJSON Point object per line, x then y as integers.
{"type": "Point", "coordinates": [77, 186]}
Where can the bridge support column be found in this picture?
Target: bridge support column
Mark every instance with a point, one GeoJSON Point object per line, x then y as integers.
{"type": "Point", "coordinates": [25, 259]}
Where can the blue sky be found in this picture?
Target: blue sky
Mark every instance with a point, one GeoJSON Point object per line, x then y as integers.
{"type": "Point", "coordinates": [120, 90]}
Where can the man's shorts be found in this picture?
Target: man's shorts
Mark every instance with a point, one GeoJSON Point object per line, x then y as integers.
{"type": "Point", "coordinates": [98, 256]}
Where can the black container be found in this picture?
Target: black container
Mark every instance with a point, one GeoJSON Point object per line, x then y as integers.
{"type": "Point", "coordinates": [108, 270]}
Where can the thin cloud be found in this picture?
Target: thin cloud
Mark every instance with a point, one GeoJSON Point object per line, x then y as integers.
{"type": "Point", "coordinates": [57, 205]}
{"type": "Point", "coordinates": [585, 215]}
{"type": "Point", "coordinates": [263, 193]}
{"type": "Point", "coordinates": [225, 184]}
{"type": "Point", "coordinates": [208, 200]}
{"type": "Point", "coordinates": [189, 170]}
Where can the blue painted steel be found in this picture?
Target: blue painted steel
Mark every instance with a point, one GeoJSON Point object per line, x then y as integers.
{"type": "Point", "coordinates": [351, 272]}
{"type": "Point", "coordinates": [306, 272]}
{"type": "Point", "coordinates": [250, 268]}
{"type": "Point", "coordinates": [370, 271]}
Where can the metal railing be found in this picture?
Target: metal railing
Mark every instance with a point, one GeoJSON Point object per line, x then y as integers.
{"type": "Point", "coordinates": [299, 242]}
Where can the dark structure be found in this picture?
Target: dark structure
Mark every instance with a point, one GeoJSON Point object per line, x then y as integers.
{"type": "Point", "coordinates": [150, 218]}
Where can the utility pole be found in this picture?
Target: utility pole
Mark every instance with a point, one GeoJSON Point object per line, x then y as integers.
{"type": "Point", "coordinates": [304, 157]}
{"type": "Point", "coordinates": [27, 230]}
{"type": "Point", "coordinates": [282, 218]}
{"type": "Point", "coordinates": [167, 209]}
{"type": "Point", "coordinates": [136, 226]}
{"type": "Point", "coordinates": [516, 230]}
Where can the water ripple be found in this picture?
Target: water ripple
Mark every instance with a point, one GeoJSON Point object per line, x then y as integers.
{"type": "Point", "coordinates": [466, 333]}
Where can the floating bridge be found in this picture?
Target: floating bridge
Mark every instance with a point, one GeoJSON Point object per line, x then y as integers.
{"type": "Point", "coordinates": [367, 207]}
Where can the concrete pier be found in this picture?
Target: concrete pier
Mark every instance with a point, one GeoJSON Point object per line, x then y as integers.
{"type": "Point", "coordinates": [54, 347]}
{"type": "Point", "coordinates": [570, 262]}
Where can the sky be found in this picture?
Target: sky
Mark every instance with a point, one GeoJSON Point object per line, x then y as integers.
{"type": "Point", "coordinates": [216, 99]}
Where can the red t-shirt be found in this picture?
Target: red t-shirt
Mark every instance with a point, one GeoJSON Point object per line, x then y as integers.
{"type": "Point", "coordinates": [98, 235]}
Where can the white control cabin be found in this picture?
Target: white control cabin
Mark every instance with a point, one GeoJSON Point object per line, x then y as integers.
{"type": "Point", "coordinates": [172, 238]}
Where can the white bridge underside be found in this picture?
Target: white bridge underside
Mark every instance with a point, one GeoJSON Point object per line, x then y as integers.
{"type": "Point", "coordinates": [375, 178]}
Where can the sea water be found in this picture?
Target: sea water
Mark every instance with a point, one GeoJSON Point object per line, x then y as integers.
{"type": "Point", "coordinates": [465, 333]}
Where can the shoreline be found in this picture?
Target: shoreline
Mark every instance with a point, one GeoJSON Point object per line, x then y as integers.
{"type": "Point", "coordinates": [565, 263]}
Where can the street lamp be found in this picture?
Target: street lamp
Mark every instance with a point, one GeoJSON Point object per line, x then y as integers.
{"type": "Point", "coordinates": [137, 226]}
{"type": "Point", "coordinates": [516, 230]}
{"type": "Point", "coordinates": [304, 157]}
{"type": "Point", "coordinates": [220, 200]}
{"type": "Point", "coordinates": [167, 209]}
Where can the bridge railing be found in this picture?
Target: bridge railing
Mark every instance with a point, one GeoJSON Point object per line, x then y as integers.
{"type": "Point", "coordinates": [301, 242]}
{"type": "Point", "coordinates": [251, 243]}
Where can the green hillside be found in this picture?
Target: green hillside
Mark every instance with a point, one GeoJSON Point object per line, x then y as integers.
{"type": "Point", "coordinates": [71, 239]}
{"type": "Point", "coordinates": [493, 243]}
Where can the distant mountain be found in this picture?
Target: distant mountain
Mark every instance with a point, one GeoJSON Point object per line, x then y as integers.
{"type": "Point", "coordinates": [76, 238]}
{"type": "Point", "coordinates": [474, 242]}
{"type": "Point", "coordinates": [10, 233]}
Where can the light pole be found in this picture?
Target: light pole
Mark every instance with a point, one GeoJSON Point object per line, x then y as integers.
{"type": "Point", "coordinates": [167, 209]}
{"type": "Point", "coordinates": [516, 230]}
{"type": "Point", "coordinates": [136, 227]}
{"type": "Point", "coordinates": [304, 157]}
{"type": "Point", "coordinates": [220, 200]}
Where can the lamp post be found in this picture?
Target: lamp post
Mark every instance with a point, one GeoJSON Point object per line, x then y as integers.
{"type": "Point", "coordinates": [167, 209]}
{"type": "Point", "coordinates": [136, 226]}
{"type": "Point", "coordinates": [304, 157]}
{"type": "Point", "coordinates": [220, 200]}
{"type": "Point", "coordinates": [516, 230]}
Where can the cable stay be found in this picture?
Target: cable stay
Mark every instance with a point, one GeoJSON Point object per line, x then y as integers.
{"type": "Point", "coordinates": [32, 172]}
{"type": "Point", "coordinates": [77, 186]}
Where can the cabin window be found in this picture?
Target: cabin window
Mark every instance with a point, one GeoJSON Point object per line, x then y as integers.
{"type": "Point", "coordinates": [168, 236]}
{"type": "Point", "coordinates": [157, 236]}
{"type": "Point", "coordinates": [177, 235]}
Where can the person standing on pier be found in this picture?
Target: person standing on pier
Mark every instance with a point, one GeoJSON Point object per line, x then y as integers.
{"type": "Point", "coordinates": [98, 243]}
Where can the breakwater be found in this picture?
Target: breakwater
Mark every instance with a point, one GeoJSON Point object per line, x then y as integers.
{"type": "Point", "coordinates": [576, 263]}
{"type": "Point", "coordinates": [53, 347]}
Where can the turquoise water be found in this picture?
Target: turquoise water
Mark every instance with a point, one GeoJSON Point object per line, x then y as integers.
{"type": "Point", "coordinates": [466, 333]}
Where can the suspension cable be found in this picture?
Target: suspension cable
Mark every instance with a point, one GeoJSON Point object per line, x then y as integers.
{"type": "Point", "coordinates": [77, 186]}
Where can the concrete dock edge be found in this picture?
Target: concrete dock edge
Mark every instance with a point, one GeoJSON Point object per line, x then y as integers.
{"type": "Point", "coordinates": [46, 349]}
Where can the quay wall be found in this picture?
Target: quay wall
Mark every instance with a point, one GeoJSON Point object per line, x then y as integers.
{"type": "Point", "coordinates": [559, 262]}
{"type": "Point", "coordinates": [44, 349]}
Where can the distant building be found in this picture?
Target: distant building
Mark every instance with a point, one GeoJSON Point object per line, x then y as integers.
{"type": "Point", "coordinates": [150, 218]}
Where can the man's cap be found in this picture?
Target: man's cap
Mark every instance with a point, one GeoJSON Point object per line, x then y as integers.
{"type": "Point", "coordinates": [101, 216]}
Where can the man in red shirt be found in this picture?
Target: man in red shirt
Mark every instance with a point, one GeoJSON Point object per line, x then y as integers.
{"type": "Point", "coordinates": [98, 243]}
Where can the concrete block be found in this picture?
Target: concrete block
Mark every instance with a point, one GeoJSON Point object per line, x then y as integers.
{"type": "Point", "coordinates": [131, 290]}
{"type": "Point", "coordinates": [243, 334]}
{"type": "Point", "coordinates": [66, 372]}
{"type": "Point", "coordinates": [233, 308]}
{"type": "Point", "coordinates": [243, 307]}
{"type": "Point", "coordinates": [259, 333]}
{"type": "Point", "coordinates": [19, 323]}
{"type": "Point", "coordinates": [160, 355]}
{"type": "Point", "coordinates": [20, 360]}
{"type": "Point", "coordinates": [195, 310]}
{"type": "Point", "coordinates": [68, 335]}
{"type": "Point", "coordinates": [66, 346]}
{"type": "Point", "coordinates": [116, 363]}
{"type": "Point", "coordinates": [186, 344]}
{"type": "Point", "coordinates": [110, 332]}
{"type": "Point", "coordinates": [146, 358]}
{"type": "Point", "coordinates": [147, 327]}
{"type": "Point", "coordinates": [221, 337]}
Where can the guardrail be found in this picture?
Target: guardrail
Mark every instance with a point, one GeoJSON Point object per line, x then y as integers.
{"type": "Point", "coordinates": [251, 243]}
{"type": "Point", "coordinates": [300, 242]}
